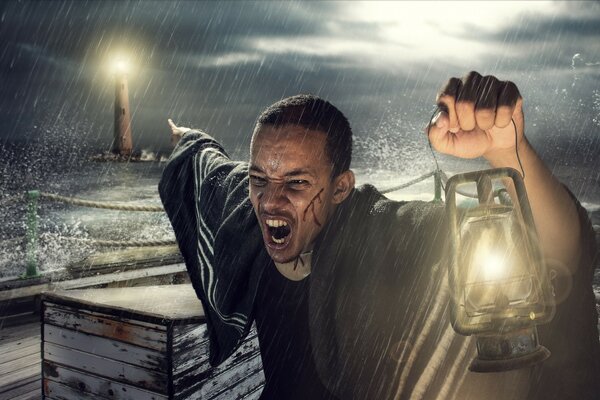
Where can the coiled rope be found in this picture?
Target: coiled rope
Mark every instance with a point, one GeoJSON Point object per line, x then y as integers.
{"type": "Point", "coordinates": [111, 206]}
{"type": "Point", "coordinates": [93, 204]}
{"type": "Point", "coordinates": [101, 204]}
{"type": "Point", "coordinates": [149, 208]}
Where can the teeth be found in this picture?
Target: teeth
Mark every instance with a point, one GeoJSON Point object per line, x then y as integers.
{"type": "Point", "coordinates": [275, 223]}
{"type": "Point", "coordinates": [278, 241]}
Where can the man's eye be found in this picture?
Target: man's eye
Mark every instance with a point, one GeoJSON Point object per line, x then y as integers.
{"type": "Point", "coordinates": [297, 183]}
{"type": "Point", "coordinates": [257, 181]}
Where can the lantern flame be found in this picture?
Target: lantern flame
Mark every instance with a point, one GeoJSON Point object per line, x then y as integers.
{"type": "Point", "coordinates": [494, 267]}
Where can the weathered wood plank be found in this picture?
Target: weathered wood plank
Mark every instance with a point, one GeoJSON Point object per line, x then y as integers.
{"type": "Point", "coordinates": [17, 333]}
{"type": "Point", "coordinates": [19, 312]}
{"type": "Point", "coordinates": [111, 369]}
{"type": "Point", "coordinates": [255, 393]}
{"type": "Point", "coordinates": [219, 380]}
{"type": "Point", "coordinates": [190, 349]}
{"type": "Point", "coordinates": [186, 333]}
{"type": "Point", "coordinates": [20, 350]}
{"type": "Point", "coordinates": [28, 338]}
{"type": "Point", "coordinates": [32, 387]}
{"type": "Point", "coordinates": [33, 395]}
{"type": "Point", "coordinates": [90, 281]}
{"type": "Point", "coordinates": [13, 313]}
{"type": "Point", "coordinates": [160, 280]}
{"type": "Point", "coordinates": [154, 303]}
{"type": "Point", "coordinates": [17, 384]}
{"type": "Point", "coordinates": [194, 354]}
{"type": "Point", "coordinates": [112, 349]}
{"type": "Point", "coordinates": [243, 387]}
{"type": "Point", "coordinates": [127, 258]}
{"type": "Point", "coordinates": [197, 366]}
{"type": "Point", "coordinates": [194, 378]}
{"type": "Point", "coordinates": [56, 391]}
{"type": "Point", "coordinates": [147, 335]}
{"type": "Point", "coordinates": [21, 363]}
{"type": "Point", "coordinates": [77, 308]}
{"type": "Point", "coordinates": [96, 385]}
{"type": "Point", "coordinates": [16, 377]}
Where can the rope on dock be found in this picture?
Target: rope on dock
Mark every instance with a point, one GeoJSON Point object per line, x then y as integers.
{"type": "Point", "coordinates": [409, 183]}
{"type": "Point", "coordinates": [101, 204]}
{"type": "Point", "coordinates": [126, 243]}
{"type": "Point", "coordinates": [133, 243]}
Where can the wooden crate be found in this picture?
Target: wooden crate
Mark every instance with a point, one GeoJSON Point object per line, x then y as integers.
{"type": "Point", "coordinates": [138, 343]}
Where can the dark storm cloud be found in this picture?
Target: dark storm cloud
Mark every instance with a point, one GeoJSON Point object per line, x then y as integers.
{"type": "Point", "coordinates": [201, 57]}
{"type": "Point", "coordinates": [168, 34]}
{"type": "Point", "coordinates": [579, 19]}
{"type": "Point", "coordinates": [51, 47]}
{"type": "Point", "coordinates": [69, 29]}
{"type": "Point", "coordinates": [546, 42]}
{"type": "Point", "coordinates": [217, 64]}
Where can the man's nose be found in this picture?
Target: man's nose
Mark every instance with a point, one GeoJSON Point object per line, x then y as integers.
{"type": "Point", "coordinates": [273, 199]}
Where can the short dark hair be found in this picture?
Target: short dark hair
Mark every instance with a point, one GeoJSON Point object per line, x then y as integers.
{"type": "Point", "coordinates": [314, 113]}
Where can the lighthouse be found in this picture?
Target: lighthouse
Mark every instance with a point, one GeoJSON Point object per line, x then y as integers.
{"type": "Point", "coordinates": [122, 143]}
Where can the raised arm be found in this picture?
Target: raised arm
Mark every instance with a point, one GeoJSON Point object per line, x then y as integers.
{"type": "Point", "coordinates": [479, 117]}
{"type": "Point", "coordinates": [205, 195]}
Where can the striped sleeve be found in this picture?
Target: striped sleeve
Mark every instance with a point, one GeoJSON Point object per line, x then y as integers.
{"type": "Point", "coordinates": [200, 188]}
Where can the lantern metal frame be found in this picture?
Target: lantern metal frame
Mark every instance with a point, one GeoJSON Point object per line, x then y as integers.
{"type": "Point", "coordinates": [506, 339]}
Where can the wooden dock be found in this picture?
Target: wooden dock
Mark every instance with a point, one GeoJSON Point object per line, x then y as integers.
{"type": "Point", "coordinates": [20, 361]}
{"type": "Point", "coordinates": [118, 343]}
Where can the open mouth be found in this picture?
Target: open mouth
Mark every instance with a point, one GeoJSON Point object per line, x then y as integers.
{"type": "Point", "coordinates": [278, 230]}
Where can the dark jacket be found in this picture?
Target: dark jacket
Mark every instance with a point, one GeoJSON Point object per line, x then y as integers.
{"type": "Point", "coordinates": [378, 306]}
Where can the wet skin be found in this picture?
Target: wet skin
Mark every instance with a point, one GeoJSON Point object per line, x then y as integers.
{"type": "Point", "coordinates": [291, 183]}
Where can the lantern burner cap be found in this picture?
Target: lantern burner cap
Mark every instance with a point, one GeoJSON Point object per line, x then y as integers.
{"type": "Point", "coordinates": [508, 351]}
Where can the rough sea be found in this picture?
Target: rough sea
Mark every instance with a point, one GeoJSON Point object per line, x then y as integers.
{"type": "Point", "coordinates": [61, 165]}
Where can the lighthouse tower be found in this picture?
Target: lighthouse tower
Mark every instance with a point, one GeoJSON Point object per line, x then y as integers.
{"type": "Point", "coordinates": [122, 143]}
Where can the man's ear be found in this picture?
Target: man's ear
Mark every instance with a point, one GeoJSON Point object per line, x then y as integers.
{"type": "Point", "coordinates": [343, 185]}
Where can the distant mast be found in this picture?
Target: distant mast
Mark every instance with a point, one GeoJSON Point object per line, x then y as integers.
{"type": "Point", "coordinates": [122, 143]}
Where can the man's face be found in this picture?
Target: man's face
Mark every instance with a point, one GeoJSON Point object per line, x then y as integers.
{"type": "Point", "coordinates": [291, 188]}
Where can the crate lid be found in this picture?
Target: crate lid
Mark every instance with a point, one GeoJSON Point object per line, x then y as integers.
{"type": "Point", "coordinates": [161, 304]}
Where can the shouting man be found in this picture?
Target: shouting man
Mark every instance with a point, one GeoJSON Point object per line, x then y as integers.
{"type": "Point", "coordinates": [346, 287]}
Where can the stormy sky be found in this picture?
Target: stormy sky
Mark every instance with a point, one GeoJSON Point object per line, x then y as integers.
{"type": "Point", "coordinates": [216, 65]}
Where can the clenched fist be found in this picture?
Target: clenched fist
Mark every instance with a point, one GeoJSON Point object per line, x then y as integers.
{"type": "Point", "coordinates": [475, 117]}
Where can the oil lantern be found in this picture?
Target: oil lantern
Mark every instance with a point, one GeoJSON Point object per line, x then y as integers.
{"type": "Point", "coordinates": [499, 283]}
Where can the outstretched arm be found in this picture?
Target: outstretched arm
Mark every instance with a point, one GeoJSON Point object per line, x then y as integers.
{"type": "Point", "coordinates": [205, 195]}
{"type": "Point", "coordinates": [477, 120]}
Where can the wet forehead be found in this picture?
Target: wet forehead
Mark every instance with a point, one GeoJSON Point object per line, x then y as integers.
{"type": "Point", "coordinates": [278, 150]}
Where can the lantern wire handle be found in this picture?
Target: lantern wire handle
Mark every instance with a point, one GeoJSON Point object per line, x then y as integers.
{"type": "Point", "coordinates": [517, 148]}
{"type": "Point", "coordinates": [437, 167]}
